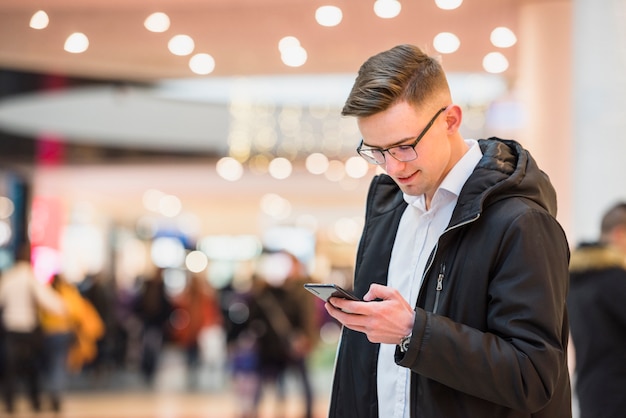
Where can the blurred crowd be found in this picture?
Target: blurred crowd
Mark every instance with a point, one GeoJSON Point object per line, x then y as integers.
{"type": "Point", "coordinates": [254, 332]}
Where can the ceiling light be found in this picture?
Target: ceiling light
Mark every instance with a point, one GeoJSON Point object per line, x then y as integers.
{"type": "Point", "coordinates": [448, 4]}
{"type": "Point", "coordinates": [170, 206]}
{"type": "Point", "coordinates": [196, 261]}
{"type": "Point", "coordinates": [157, 22]}
{"type": "Point", "coordinates": [495, 62]}
{"type": "Point", "coordinates": [295, 57]}
{"type": "Point", "coordinates": [280, 168]}
{"type": "Point", "coordinates": [76, 43]}
{"type": "Point", "coordinates": [181, 45]}
{"type": "Point", "coordinates": [328, 15]}
{"type": "Point", "coordinates": [39, 20]}
{"type": "Point", "coordinates": [503, 37]}
{"type": "Point", "coordinates": [291, 53]}
{"type": "Point", "coordinates": [202, 64]}
{"type": "Point", "coordinates": [316, 163]}
{"type": "Point", "coordinates": [275, 206]}
{"type": "Point", "coordinates": [387, 9]}
{"type": "Point", "coordinates": [288, 42]}
{"type": "Point", "coordinates": [356, 167]}
{"type": "Point", "coordinates": [229, 169]}
{"type": "Point", "coordinates": [446, 42]}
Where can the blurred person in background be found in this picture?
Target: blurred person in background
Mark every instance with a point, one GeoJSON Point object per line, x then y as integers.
{"type": "Point", "coordinates": [126, 331]}
{"type": "Point", "coordinates": [153, 307]}
{"type": "Point", "coordinates": [280, 319]}
{"type": "Point", "coordinates": [98, 291]}
{"type": "Point", "coordinates": [61, 332]}
{"type": "Point", "coordinates": [307, 335]}
{"type": "Point", "coordinates": [88, 330]}
{"type": "Point", "coordinates": [236, 300]}
{"type": "Point", "coordinates": [196, 310]}
{"type": "Point", "coordinates": [597, 307]}
{"type": "Point", "coordinates": [21, 298]}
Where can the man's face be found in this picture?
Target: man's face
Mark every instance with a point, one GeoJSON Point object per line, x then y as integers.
{"type": "Point", "coordinates": [618, 238]}
{"type": "Point", "coordinates": [401, 124]}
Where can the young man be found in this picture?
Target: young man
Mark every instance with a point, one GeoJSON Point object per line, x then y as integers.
{"type": "Point", "coordinates": [462, 266]}
{"type": "Point", "coordinates": [598, 318]}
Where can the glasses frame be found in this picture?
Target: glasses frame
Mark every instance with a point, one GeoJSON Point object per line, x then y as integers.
{"type": "Point", "coordinates": [412, 145]}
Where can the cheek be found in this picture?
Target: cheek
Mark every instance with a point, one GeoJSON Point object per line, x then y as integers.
{"type": "Point", "coordinates": [430, 154]}
{"type": "Point", "coordinates": [434, 159]}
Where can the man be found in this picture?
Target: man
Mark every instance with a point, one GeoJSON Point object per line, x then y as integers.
{"type": "Point", "coordinates": [597, 303]}
{"type": "Point", "coordinates": [462, 265]}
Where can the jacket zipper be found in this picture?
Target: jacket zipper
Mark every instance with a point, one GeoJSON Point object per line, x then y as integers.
{"type": "Point", "coordinates": [439, 287]}
{"type": "Point", "coordinates": [440, 277]}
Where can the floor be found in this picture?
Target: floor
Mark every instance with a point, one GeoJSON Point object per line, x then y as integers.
{"type": "Point", "coordinates": [124, 395]}
{"type": "Point", "coordinates": [160, 405]}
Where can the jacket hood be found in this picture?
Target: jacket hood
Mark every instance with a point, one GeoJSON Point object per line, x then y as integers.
{"type": "Point", "coordinates": [505, 170]}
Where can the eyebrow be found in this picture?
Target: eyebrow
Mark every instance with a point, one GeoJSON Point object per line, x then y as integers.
{"type": "Point", "coordinates": [399, 142]}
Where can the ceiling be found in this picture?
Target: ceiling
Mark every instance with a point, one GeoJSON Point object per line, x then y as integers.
{"type": "Point", "coordinates": [147, 97]}
{"type": "Point", "coordinates": [241, 35]}
{"type": "Point", "coordinates": [156, 101]}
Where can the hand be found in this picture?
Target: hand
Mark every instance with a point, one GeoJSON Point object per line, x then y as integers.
{"type": "Point", "coordinates": [385, 320]}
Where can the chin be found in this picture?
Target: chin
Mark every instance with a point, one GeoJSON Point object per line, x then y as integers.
{"type": "Point", "coordinates": [411, 191]}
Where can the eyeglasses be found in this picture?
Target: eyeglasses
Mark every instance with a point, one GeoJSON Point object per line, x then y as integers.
{"type": "Point", "coordinates": [402, 153]}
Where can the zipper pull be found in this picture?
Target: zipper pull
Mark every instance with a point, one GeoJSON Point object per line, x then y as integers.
{"type": "Point", "coordinates": [440, 277]}
{"type": "Point", "coordinates": [439, 287]}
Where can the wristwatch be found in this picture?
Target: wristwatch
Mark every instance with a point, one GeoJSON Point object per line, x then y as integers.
{"type": "Point", "coordinates": [404, 343]}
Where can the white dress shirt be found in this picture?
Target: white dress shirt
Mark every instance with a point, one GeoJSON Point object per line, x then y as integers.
{"type": "Point", "coordinates": [418, 232]}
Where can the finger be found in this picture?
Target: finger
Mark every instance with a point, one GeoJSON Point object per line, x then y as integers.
{"type": "Point", "coordinates": [378, 291]}
{"type": "Point", "coordinates": [349, 320]}
{"type": "Point", "coordinates": [346, 305]}
{"type": "Point", "coordinates": [336, 311]}
{"type": "Point", "coordinates": [331, 309]}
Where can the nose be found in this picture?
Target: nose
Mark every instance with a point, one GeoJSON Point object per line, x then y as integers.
{"type": "Point", "coordinates": [392, 165]}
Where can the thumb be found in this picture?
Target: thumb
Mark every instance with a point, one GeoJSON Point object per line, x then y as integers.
{"type": "Point", "coordinates": [377, 291]}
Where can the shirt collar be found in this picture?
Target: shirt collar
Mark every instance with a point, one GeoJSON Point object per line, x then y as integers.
{"type": "Point", "coordinates": [455, 179]}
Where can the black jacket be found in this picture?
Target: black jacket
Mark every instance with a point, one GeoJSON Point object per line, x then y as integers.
{"type": "Point", "coordinates": [492, 341]}
{"type": "Point", "coordinates": [597, 306]}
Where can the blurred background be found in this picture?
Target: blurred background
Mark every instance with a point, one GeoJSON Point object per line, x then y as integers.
{"type": "Point", "coordinates": [195, 137]}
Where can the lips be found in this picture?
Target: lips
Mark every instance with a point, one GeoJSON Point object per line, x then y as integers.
{"type": "Point", "coordinates": [406, 179]}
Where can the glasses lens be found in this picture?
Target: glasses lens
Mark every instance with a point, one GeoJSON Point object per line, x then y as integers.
{"type": "Point", "coordinates": [373, 156]}
{"type": "Point", "coordinates": [403, 153]}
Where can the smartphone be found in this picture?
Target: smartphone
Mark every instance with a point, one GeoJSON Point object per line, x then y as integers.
{"type": "Point", "coordinates": [328, 290]}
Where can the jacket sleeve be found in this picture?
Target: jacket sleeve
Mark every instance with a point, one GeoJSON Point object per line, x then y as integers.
{"type": "Point", "coordinates": [516, 354]}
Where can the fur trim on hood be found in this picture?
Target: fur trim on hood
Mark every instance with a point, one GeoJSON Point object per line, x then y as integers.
{"type": "Point", "coordinates": [595, 257]}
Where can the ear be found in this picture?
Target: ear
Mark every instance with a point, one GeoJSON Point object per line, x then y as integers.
{"type": "Point", "coordinates": [454, 115]}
